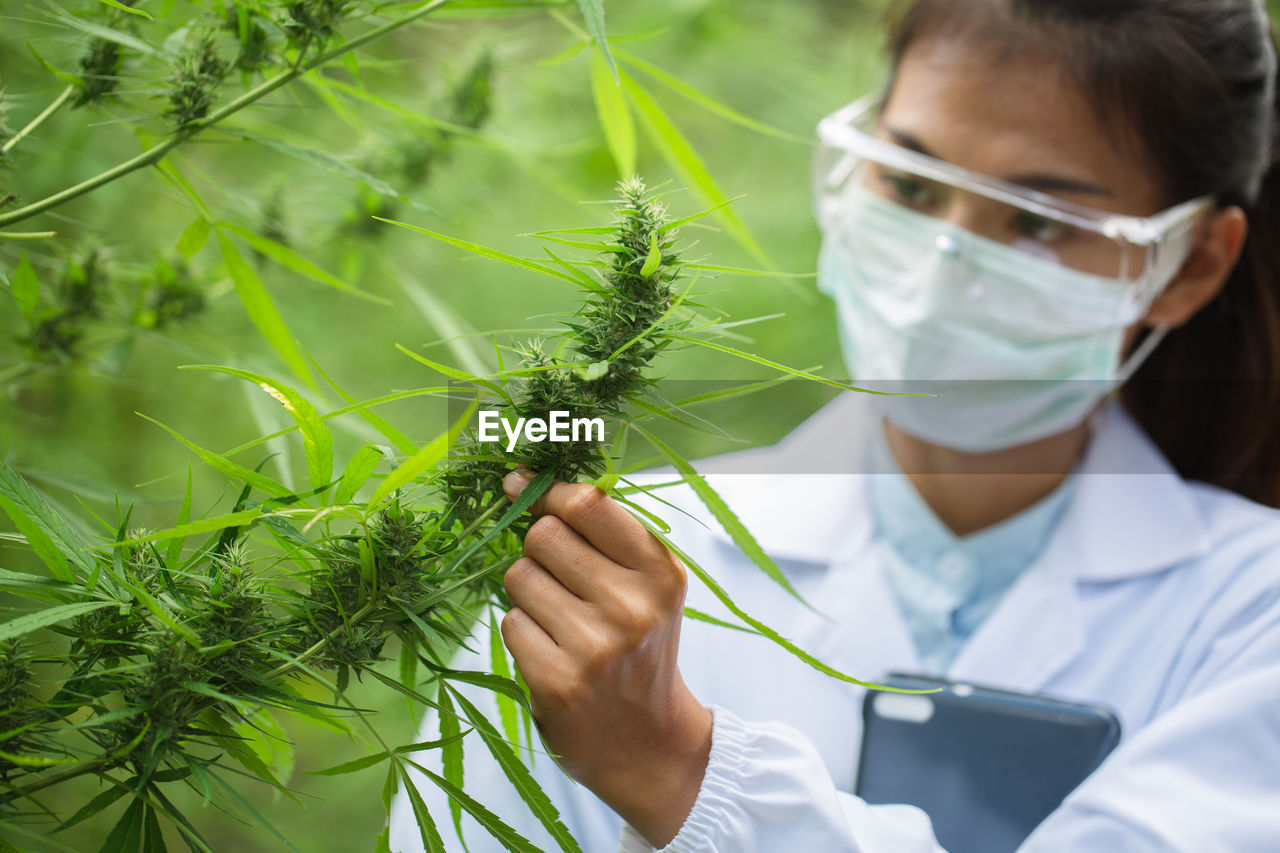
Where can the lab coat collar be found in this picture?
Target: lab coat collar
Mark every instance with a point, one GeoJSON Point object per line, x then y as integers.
{"type": "Point", "coordinates": [1131, 513]}
{"type": "Point", "coordinates": [799, 511]}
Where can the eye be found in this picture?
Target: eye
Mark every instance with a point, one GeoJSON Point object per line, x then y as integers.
{"type": "Point", "coordinates": [1039, 228]}
{"type": "Point", "coordinates": [908, 190]}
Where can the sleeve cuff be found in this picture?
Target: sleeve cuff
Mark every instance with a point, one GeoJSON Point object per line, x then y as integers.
{"type": "Point", "coordinates": [721, 784]}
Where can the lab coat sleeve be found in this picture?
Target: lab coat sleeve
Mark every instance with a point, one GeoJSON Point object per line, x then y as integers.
{"type": "Point", "coordinates": [766, 788]}
{"type": "Point", "coordinates": [1203, 776]}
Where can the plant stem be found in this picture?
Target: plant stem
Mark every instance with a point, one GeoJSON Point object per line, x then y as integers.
{"type": "Point", "coordinates": [483, 517]}
{"type": "Point", "coordinates": [56, 779]}
{"type": "Point", "coordinates": [38, 120]}
{"type": "Point", "coordinates": [27, 235]}
{"type": "Point", "coordinates": [157, 152]}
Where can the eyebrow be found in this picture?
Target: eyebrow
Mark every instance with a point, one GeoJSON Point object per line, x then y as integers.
{"type": "Point", "coordinates": [1035, 181]}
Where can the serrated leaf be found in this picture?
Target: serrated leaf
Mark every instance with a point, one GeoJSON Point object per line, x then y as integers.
{"type": "Point", "coordinates": [265, 736]}
{"type": "Point", "coordinates": [262, 310]}
{"type": "Point", "coordinates": [359, 468]}
{"type": "Point", "coordinates": [682, 157]}
{"type": "Point", "coordinates": [713, 106]}
{"type": "Point", "coordinates": [773, 365]}
{"type": "Point", "coordinates": [127, 833]}
{"type": "Point", "coordinates": [760, 627]}
{"type": "Point", "coordinates": [237, 472]}
{"type": "Point", "coordinates": [116, 4]}
{"type": "Point", "coordinates": [291, 260]}
{"type": "Point", "coordinates": [482, 251]}
{"type": "Point", "coordinates": [593, 16]}
{"type": "Point", "coordinates": [91, 808]}
{"type": "Point", "coordinates": [332, 164]}
{"type": "Point", "coordinates": [728, 520]}
{"type": "Point", "coordinates": [489, 681]}
{"type": "Point", "coordinates": [654, 259]}
{"type": "Point", "coordinates": [49, 535]}
{"type": "Point", "coordinates": [389, 786]}
{"type": "Point", "coordinates": [699, 616]}
{"type": "Point", "coordinates": [498, 663]}
{"type": "Point", "coordinates": [317, 440]}
{"type": "Point", "coordinates": [69, 79]}
{"type": "Point", "coordinates": [204, 525]}
{"type": "Point", "coordinates": [398, 439]}
{"type": "Point", "coordinates": [152, 837]}
{"type": "Point", "coordinates": [428, 455]}
{"type": "Point", "coordinates": [427, 830]}
{"type": "Point", "coordinates": [615, 116]}
{"type": "Point", "coordinates": [352, 766]}
{"type": "Point", "coordinates": [494, 825]}
{"type": "Point", "coordinates": [49, 616]}
{"type": "Point", "coordinates": [519, 776]}
{"type": "Point", "coordinates": [451, 758]}
{"type": "Point", "coordinates": [193, 237]}
{"type": "Point", "coordinates": [534, 490]}
{"type": "Point", "coordinates": [174, 552]}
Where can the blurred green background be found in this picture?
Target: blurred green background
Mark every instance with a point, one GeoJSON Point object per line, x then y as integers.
{"type": "Point", "coordinates": [71, 425]}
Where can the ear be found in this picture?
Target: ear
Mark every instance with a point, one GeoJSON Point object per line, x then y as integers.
{"type": "Point", "coordinates": [1205, 271]}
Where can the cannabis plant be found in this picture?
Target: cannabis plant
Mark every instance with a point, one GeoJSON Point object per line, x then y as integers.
{"type": "Point", "coordinates": [159, 659]}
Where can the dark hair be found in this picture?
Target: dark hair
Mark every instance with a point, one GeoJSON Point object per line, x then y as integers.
{"type": "Point", "coordinates": [1190, 86]}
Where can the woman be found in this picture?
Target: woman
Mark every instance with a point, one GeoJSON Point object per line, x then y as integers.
{"type": "Point", "coordinates": [1059, 194]}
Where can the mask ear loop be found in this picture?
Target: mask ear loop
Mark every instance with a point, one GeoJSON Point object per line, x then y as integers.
{"type": "Point", "coordinates": [1184, 246]}
{"type": "Point", "coordinates": [1139, 355]}
{"type": "Point", "coordinates": [1129, 367]}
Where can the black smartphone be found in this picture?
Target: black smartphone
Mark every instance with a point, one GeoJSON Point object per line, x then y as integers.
{"type": "Point", "coordinates": [986, 765]}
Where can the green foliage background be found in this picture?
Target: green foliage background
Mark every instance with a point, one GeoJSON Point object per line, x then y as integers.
{"type": "Point", "coordinates": [73, 427]}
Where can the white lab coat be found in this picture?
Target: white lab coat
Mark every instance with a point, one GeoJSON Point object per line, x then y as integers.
{"type": "Point", "coordinates": [1156, 596]}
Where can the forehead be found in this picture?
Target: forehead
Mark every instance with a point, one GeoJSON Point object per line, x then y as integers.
{"type": "Point", "coordinates": [1022, 115]}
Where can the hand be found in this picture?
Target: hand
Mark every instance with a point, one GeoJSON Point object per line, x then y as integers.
{"type": "Point", "coordinates": [595, 627]}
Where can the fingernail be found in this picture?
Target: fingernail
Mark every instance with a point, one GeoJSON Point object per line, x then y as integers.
{"type": "Point", "coordinates": [513, 484]}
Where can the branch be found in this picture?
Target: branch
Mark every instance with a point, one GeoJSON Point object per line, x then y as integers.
{"type": "Point", "coordinates": [38, 120]}
{"type": "Point", "coordinates": [157, 152]}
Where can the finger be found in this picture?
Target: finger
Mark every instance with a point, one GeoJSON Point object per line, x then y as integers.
{"type": "Point", "coordinates": [600, 520]}
{"type": "Point", "coordinates": [540, 660]}
{"type": "Point", "coordinates": [537, 592]}
{"type": "Point", "coordinates": [574, 561]}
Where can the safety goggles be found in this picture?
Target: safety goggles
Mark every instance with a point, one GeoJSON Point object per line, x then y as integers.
{"type": "Point", "coordinates": [1144, 252]}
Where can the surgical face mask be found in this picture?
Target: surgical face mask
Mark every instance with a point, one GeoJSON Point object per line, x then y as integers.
{"type": "Point", "coordinates": [1017, 347]}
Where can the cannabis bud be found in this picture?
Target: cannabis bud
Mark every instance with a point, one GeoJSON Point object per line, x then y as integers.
{"type": "Point", "coordinates": [197, 75]}
{"type": "Point", "coordinates": [173, 296]}
{"type": "Point", "coordinates": [313, 22]}
{"type": "Point", "coordinates": [99, 70]}
{"type": "Point", "coordinates": [624, 322]}
{"type": "Point", "coordinates": [58, 333]}
{"type": "Point", "coordinates": [255, 42]}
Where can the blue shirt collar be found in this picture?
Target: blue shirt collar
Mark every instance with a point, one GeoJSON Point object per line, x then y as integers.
{"type": "Point", "coordinates": [947, 584]}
